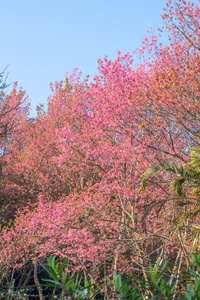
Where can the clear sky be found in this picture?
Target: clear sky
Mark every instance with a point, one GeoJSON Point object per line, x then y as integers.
{"type": "Point", "coordinates": [42, 39]}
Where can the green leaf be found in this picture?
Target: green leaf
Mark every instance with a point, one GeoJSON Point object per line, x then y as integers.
{"type": "Point", "coordinates": [63, 265]}
{"type": "Point", "coordinates": [54, 282]}
{"type": "Point", "coordinates": [44, 268]}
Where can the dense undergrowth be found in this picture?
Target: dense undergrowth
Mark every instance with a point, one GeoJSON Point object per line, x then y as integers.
{"type": "Point", "coordinates": [159, 283]}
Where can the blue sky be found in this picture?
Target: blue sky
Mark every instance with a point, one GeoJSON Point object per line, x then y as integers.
{"type": "Point", "coordinates": [41, 40]}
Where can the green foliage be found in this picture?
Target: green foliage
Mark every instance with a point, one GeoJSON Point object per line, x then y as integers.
{"type": "Point", "coordinates": [125, 290]}
{"type": "Point", "coordinates": [159, 284]}
{"type": "Point", "coordinates": [193, 289]}
{"type": "Point", "coordinates": [185, 184]}
{"type": "Point", "coordinates": [75, 286]}
{"type": "Point", "coordinates": [186, 173]}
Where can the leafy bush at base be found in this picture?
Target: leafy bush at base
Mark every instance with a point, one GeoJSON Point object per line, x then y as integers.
{"type": "Point", "coordinates": [157, 284]}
